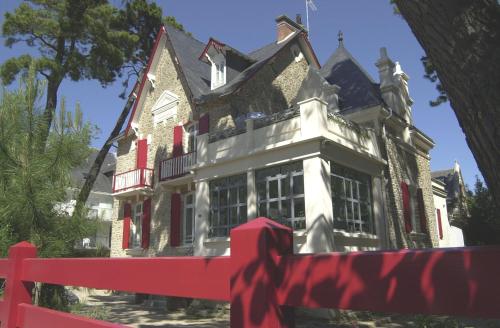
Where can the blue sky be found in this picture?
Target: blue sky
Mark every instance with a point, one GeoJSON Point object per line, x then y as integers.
{"type": "Point", "coordinates": [246, 25]}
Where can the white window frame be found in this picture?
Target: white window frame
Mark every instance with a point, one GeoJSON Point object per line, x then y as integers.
{"type": "Point", "coordinates": [188, 236]}
{"type": "Point", "coordinates": [136, 225]}
{"type": "Point", "coordinates": [353, 200]}
{"type": "Point", "coordinates": [218, 76]}
{"type": "Point", "coordinates": [292, 220]}
{"type": "Point", "coordinates": [165, 107]}
{"type": "Point", "coordinates": [191, 132]}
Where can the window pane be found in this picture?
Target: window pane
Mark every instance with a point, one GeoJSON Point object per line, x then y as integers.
{"type": "Point", "coordinates": [286, 209]}
{"type": "Point", "coordinates": [299, 224]}
{"type": "Point", "coordinates": [189, 199]}
{"type": "Point", "coordinates": [243, 215]}
{"type": "Point", "coordinates": [299, 208]}
{"type": "Point", "coordinates": [233, 215]}
{"type": "Point", "coordinates": [298, 185]}
{"type": "Point", "coordinates": [348, 185]}
{"type": "Point", "coordinates": [274, 210]}
{"type": "Point", "coordinates": [223, 217]}
{"type": "Point", "coordinates": [243, 194]}
{"type": "Point", "coordinates": [262, 210]}
{"type": "Point", "coordinates": [285, 187]}
{"type": "Point", "coordinates": [355, 190]}
{"type": "Point", "coordinates": [338, 187]}
{"type": "Point", "coordinates": [273, 189]}
{"type": "Point", "coordinates": [223, 197]}
{"type": "Point", "coordinates": [261, 190]}
{"type": "Point", "coordinates": [363, 192]}
{"type": "Point", "coordinates": [233, 196]}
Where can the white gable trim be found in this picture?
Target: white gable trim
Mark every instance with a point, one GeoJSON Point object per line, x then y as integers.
{"type": "Point", "coordinates": [165, 107]}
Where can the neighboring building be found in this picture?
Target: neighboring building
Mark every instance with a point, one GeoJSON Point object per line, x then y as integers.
{"type": "Point", "coordinates": [99, 202]}
{"type": "Point", "coordinates": [456, 194]}
{"type": "Point", "coordinates": [218, 137]}
{"type": "Point", "coordinates": [448, 235]}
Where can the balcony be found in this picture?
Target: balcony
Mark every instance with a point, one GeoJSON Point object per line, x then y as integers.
{"type": "Point", "coordinates": [132, 182]}
{"type": "Point", "coordinates": [294, 133]}
{"type": "Point", "coordinates": [177, 166]}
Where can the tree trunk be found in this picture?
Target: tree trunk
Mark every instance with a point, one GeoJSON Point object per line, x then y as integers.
{"type": "Point", "coordinates": [462, 39]}
{"type": "Point", "coordinates": [83, 195]}
{"type": "Point", "coordinates": [50, 108]}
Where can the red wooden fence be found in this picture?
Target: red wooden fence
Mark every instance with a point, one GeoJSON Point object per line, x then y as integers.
{"type": "Point", "coordinates": [263, 280]}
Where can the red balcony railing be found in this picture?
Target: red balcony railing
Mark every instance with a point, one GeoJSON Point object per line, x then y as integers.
{"type": "Point", "coordinates": [138, 178]}
{"type": "Point", "coordinates": [177, 166]}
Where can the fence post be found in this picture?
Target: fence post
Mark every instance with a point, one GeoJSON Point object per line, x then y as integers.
{"type": "Point", "coordinates": [16, 290]}
{"type": "Point", "coordinates": [255, 260]}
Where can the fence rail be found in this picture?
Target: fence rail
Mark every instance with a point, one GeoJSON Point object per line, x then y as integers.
{"type": "Point", "coordinates": [177, 166]}
{"type": "Point", "coordinates": [263, 280]}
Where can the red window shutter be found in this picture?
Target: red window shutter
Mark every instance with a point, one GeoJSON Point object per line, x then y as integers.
{"type": "Point", "coordinates": [127, 216]}
{"type": "Point", "coordinates": [421, 210]}
{"type": "Point", "coordinates": [142, 153]}
{"type": "Point", "coordinates": [406, 207]}
{"type": "Point", "coordinates": [203, 124]}
{"type": "Point", "coordinates": [146, 223]}
{"type": "Point", "coordinates": [440, 224]}
{"type": "Point", "coordinates": [175, 220]}
{"type": "Point", "coordinates": [177, 150]}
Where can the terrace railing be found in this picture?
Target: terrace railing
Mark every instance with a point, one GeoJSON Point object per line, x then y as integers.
{"type": "Point", "coordinates": [133, 179]}
{"type": "Point", "coordinates": [177, 166]}
{"type": "Point", "coordinates": [263, 280]}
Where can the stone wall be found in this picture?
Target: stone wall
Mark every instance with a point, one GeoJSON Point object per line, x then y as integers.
{"type": "Point", "coordinates": [407, 163]}
{"type": "Point", "coordinates": [159, 149]}
{"type": "Point", "coordinates": [272, 89]}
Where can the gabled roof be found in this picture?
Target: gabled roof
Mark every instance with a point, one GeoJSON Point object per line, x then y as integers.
{"type": "Point", "coordinates": [357, 88]}
{"type": "Point", "coordinates": [103, 182]}
{"type": "Point", "coordinates": [197, 73]}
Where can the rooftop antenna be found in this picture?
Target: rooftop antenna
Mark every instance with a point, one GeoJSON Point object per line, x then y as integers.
{"type": "Point", "coordinates": [309, 4]}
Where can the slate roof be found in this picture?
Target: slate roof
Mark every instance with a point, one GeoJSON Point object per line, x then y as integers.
{"type": "Point", "coordinates": [358, 90]}
{"type": "Point", "coordinates": [104, 180]}
{"type": "Point", "coordinates": [197, 72]}
{"type": "Point", "coordinates": [451, 180]}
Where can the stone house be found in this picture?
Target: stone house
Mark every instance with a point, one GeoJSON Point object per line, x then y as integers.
{"type": "Point", "coordinates": [218, 137]}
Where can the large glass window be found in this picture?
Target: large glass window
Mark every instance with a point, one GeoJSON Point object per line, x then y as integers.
{"type": "Point", "coordinates": [280, 194]}
{"type": "Point", "coordinates": [228, 204]}
{"type": "Point", "coordinates": [351, 200]}
{"type": "Point", "coordinates": [136, 225]}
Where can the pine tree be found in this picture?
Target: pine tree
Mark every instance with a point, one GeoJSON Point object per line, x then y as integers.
{"type": "Point", "coordinates": [34, 183]}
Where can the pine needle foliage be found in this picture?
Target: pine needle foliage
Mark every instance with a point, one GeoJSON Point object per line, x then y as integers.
{"type": "Point", "coordinates": [34, 184]}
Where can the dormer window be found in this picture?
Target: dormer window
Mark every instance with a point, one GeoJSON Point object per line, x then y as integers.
{"type": "Point", "coordinates": [218, 71]}
{"type": "Point", "coordinates": [215, 55]}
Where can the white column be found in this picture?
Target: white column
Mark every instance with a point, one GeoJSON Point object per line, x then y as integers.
{"type": "Point", "coordinates": [313, 117]}
{"type": "Point", "coordinates": [379, 214]}
{"type": "Point", "coordinates": [202, 209]}
{"type": "Point", "coordinates": [251, 195]}
{"type": "Point", "coordinates": [318, 201]}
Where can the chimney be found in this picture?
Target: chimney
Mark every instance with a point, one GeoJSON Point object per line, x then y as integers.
{"type": "Point", "coordinates": [286, 27]}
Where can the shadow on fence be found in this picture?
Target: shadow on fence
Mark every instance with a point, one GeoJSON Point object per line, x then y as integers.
{"type": "Point", "coordinates": [264, 281]}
